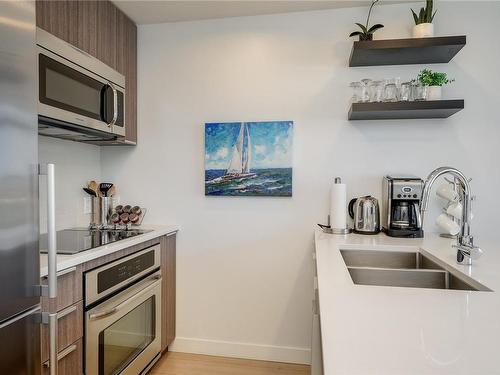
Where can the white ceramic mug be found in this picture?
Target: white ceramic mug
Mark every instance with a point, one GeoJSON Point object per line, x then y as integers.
{"type": "Point", "coordinates": [447, 224]}
{"type": "Point", "coordinates": [455, 210]}
{"type": "Point", "coordinates": [447, 192]}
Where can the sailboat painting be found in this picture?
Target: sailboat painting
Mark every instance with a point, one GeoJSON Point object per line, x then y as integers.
{"type": "Point", "coordinates": [249, 159]}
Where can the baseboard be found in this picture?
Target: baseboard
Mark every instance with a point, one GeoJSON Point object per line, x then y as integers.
{"type": "Point", "coordinates": [272, 353]}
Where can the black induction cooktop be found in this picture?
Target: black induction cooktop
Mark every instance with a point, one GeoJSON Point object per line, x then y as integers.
{"type": "Point", "coordinates": [72, 241]}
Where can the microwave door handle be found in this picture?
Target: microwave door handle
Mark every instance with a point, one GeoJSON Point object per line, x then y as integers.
{"type": "Point", "coordinates": [115, 106]}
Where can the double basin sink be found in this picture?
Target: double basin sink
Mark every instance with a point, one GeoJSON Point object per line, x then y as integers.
{"type": "Point", "coordinates": [404, 269]}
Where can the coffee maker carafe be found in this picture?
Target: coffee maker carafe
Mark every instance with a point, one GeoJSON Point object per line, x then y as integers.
{"type": "Point", "coordinates": [401, 205]}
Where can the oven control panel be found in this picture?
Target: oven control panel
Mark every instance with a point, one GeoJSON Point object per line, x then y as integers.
{"type": "Point", "coordinates": [107, 279]}
{"type": "Point", "coordinates": [122, 271]}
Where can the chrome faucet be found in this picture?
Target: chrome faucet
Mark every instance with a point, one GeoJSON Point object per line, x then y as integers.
{"type": "Point", "coordinates": [466, 251]}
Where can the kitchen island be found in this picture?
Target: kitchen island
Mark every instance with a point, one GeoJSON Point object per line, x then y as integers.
{"type": "Point", "coordinates": [399, 330]}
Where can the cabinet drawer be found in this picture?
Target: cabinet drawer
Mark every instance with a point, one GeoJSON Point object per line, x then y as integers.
{"type": "Point", "coordinates": [70, 360]}
{"type": "Point", "coordinates": [69, 327]}
{"type": "Point", "coordinates": [69, 288]}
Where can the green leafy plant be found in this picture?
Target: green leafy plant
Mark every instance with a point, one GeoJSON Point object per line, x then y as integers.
{"type": "Point", "coordinates": [429, 78]}
{"type": "Point", "coordinates": [366, 32]}
{"type": "Point", "coordinates": [425, 15]}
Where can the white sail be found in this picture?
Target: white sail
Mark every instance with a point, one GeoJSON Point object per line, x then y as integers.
{"type": "Point", "coordinates": [246, 165]}
{"type": "Point", "coordinates": [236, 164]}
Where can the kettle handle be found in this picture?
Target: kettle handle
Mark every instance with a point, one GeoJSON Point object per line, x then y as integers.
{"type": "Point", "coordinates": [351, 207]}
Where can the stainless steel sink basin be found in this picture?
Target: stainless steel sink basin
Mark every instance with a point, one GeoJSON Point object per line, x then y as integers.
{"type": "Point", "coordinates": [404, 269]}
{"type": "Point", "coordinates": [387, 259]}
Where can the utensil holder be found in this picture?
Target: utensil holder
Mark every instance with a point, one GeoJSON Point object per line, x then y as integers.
{"type": "Point", "coordinates": [102, 208]}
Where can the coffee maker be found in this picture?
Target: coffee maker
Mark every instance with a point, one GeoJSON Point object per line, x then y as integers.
{"type": "Point", "coordinates": [401, 206]}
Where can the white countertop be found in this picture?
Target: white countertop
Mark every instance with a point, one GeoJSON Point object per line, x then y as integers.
{"type": "Point", "coordinates": [68, 261]}
{"type": "Point", "coordinates": [393, 330]}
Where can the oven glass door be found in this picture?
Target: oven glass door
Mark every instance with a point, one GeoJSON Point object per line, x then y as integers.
{"type": "Point", "coordinates": [125, 339]}
{"type": "Point", "coordinates": [123, 333]}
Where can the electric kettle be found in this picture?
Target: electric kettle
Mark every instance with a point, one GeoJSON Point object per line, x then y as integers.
{"type": "Point", "coordinates": [365, 214]}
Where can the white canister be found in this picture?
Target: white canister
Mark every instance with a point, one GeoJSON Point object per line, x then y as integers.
{"type": "Point", "coordinates": [434, 93]}
{"type": "Point", "coordinates": [423, 30]}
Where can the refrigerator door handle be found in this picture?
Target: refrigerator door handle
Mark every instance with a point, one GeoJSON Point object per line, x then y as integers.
{"type": "Point", "coordinates": [50, 317]}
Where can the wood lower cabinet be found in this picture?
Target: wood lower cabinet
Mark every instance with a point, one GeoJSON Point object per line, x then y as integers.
{"type": "Point", "coordinates": [69, 329]}
{"type": "Point", "coordinates": [69, 306]}
{"type": "Point", "coordinates": [168, 259]}
{"type": "Point", "coordinates": [69, 288]}
{"type": "Point", "coordinates": [105, 32]}
{"type": "Point", "coordinates": [69, 360]}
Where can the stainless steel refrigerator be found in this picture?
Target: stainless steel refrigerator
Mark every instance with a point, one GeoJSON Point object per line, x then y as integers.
{"type": "Point", "coordinates": [20, 316]}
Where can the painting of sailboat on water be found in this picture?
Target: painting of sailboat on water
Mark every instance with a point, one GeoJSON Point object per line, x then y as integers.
{"type": "Point", "coordinates": [249, 159]}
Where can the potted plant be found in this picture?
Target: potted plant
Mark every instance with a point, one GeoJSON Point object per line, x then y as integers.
{"type": "Point", "coordinates": [434, 82]}
{"type": "Point", "coordinates": [423, 21]}
{"type": "Point", "coordinates": [366, 32]}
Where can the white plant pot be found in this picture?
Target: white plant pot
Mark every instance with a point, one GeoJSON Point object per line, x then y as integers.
{"type": "Point", "coordinates": [434, 93]}
{"type": "Point", "coordinates": [423, 30]}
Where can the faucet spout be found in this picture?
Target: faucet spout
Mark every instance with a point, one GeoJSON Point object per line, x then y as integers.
{"type": "Point", "coordinates": [465, 242]}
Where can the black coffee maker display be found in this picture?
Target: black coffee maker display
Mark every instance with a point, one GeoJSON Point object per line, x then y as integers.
{"type": "Point", "coordinates": [401, 206]}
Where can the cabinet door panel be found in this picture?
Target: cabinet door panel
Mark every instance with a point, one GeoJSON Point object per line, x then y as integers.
{"type": "Point", "coordinates": [168, 255]}
{"type": "Point", "coordinates": [58, 18]}
{"type": "Point", "coordinates": [106, 32]}
{"type": "Point", "coordinates": [87, 26]}
{"type": "Point", "coordinates": [131, 83]}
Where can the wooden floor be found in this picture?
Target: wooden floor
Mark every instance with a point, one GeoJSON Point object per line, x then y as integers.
{"type": "Point", "coordinates": [194, 364]}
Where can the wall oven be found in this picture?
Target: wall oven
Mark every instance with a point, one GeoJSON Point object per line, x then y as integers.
{"type": "Point", "coordinates": [123, 315]}
{"type": "Point", "coordinates": [79, 97]}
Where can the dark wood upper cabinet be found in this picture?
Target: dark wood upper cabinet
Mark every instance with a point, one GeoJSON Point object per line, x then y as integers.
{"type": "Point", "coordinates": [58, 18]}
{"type": "Point", "coordinates": [131, 82]}
{"type": "Point", "coordinates": [87, 27]}
{"type": "Point", "coordinates": [105, 32]}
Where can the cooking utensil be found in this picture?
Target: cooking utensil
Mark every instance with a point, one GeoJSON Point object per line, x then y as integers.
{"type": "Point", "coordinates": [112, 191]}
{"type": "Point", "coordinates": [104, 188]}
{"type": "Point", "coordinates": [90, 192]}
{"type": "Point", "coordinates": [94, 186]}
{"type": "Point", "coordinates": [366, 215]}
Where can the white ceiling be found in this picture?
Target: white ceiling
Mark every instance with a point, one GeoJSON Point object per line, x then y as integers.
{"type": "Point", "coordinates": [157, 11]}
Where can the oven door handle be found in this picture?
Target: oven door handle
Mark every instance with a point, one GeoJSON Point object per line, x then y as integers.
{"type": "Point", "coordinates": [115, 309]}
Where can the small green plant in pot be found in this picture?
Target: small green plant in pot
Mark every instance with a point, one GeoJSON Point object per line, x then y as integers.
{"type": "Point", "coordinates": [434, 82]}
{"type": "Point", "coordinates": [424, 27]}
{"type": "Point", "coordinates": [366, 32]}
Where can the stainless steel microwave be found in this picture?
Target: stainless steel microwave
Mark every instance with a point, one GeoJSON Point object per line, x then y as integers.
{"type": "Point", "coordinates": [79, 97]}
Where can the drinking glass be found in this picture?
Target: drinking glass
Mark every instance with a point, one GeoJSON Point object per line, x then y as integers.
{"type": "Point", "coordinates": [419, 92]}
{"type": "Point", "coordinates": [405, 91]}
{"type": "Point", "coordinates": [365, 90]}
{"type": "Point", "coordinates": [356, 91]}
{"type": "Point", "coordinates": [390, 92]}
{"type": "Point", "coordinates": [377, 91]}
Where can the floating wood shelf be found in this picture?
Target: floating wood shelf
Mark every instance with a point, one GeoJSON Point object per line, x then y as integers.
{"type": "Point", "coordinates": [405, 110]}
{"type": "Point", "coordinates": [406, 51]}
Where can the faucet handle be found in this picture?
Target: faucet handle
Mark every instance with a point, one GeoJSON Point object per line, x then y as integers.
{"type": "Point", "coordinates": [466, 252]}
{"type": "Point", "coordinates": [476, 252]}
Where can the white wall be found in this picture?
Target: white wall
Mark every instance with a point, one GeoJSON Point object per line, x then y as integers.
{"type": "Point", "coordinates": [244, 264]}
{"type": "Point", "coordinates": [76, 164]}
